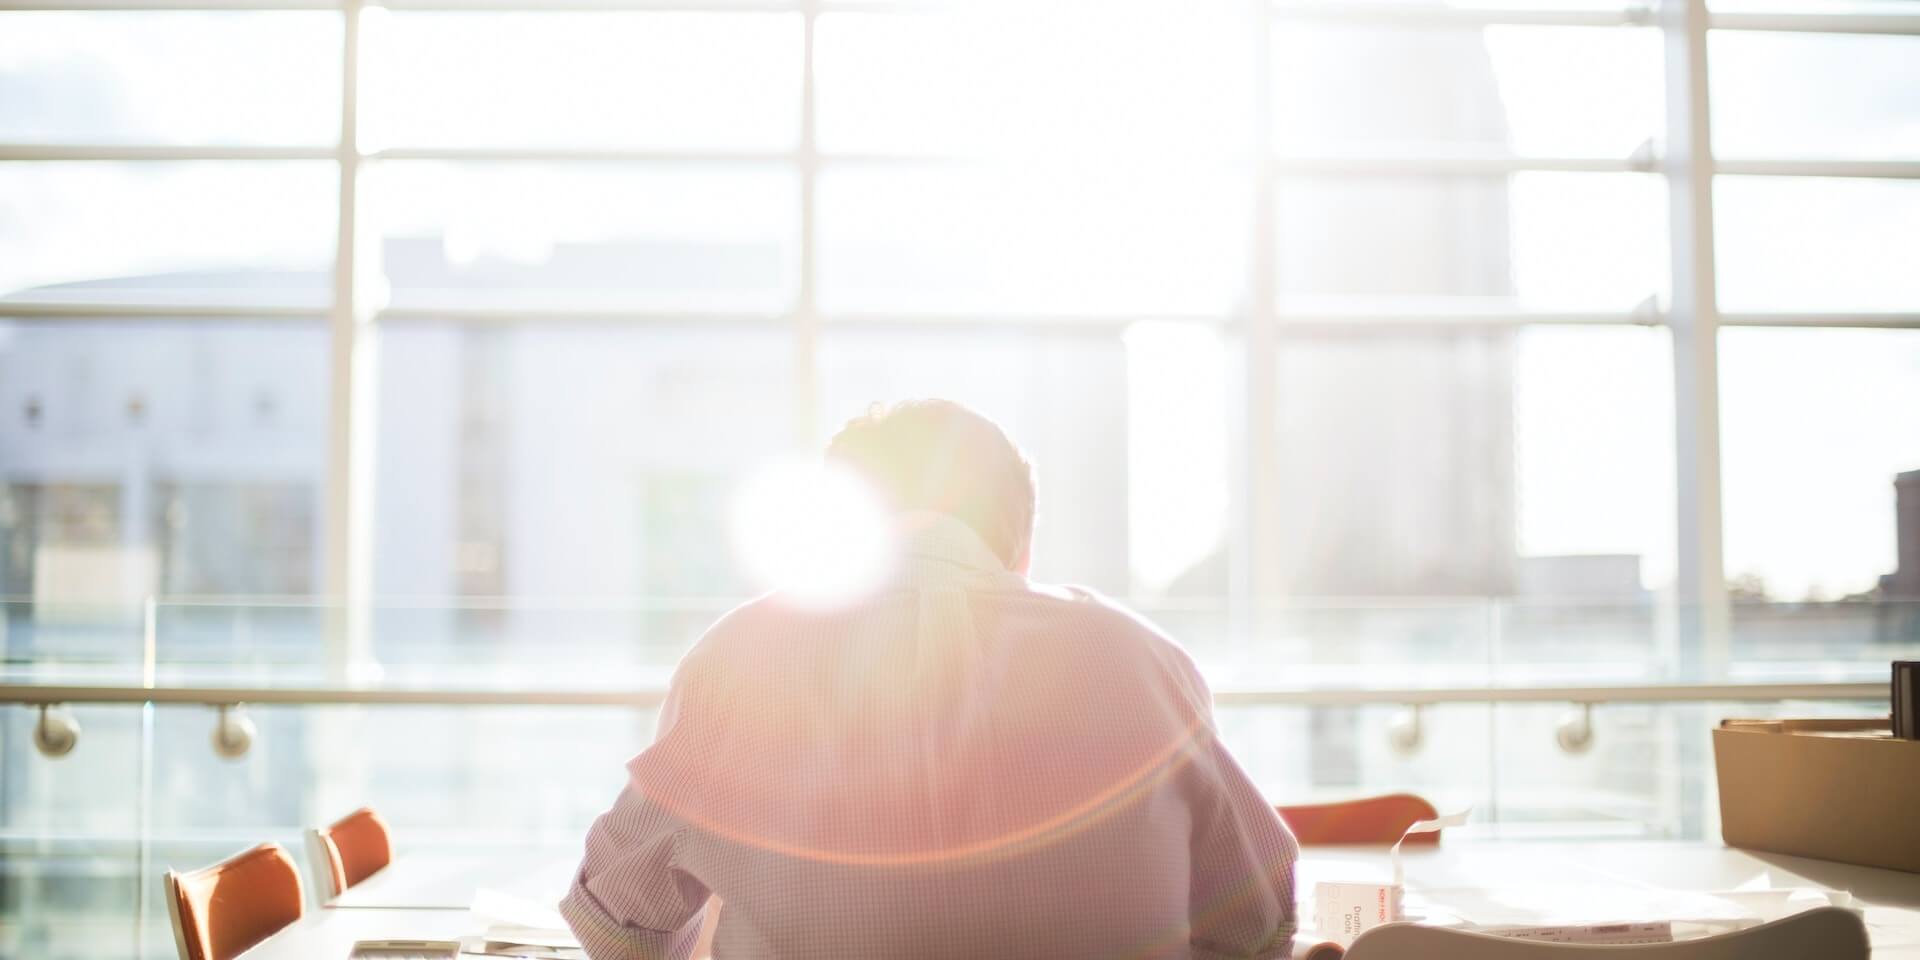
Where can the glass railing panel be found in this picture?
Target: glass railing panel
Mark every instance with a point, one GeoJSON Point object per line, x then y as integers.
{"type": "Point", "coordinates": [86, 836]}
{"type": "Point", "coordinates": [1850, 639]}
{"type": "Point", "coordinates": [549, 645]}
{"type": "Point", "coordinates": [1314, 754]}
{"type": "Point", "coordinates": [62, 642]}
{"type": "Point", "coordinates": [1334, 644]}
{"type": "Point", "coordinates": [71, 835]}
{"type": "Point", "coordinates": [1577, 643]}
{"type": "Point", "coordinates": [1339, 643]}
{"type": "Point", "coordinates": [243, 641]}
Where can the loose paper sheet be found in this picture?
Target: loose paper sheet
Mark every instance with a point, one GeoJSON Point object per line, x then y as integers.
{"type": "Point", "coordinates": [517, 922]}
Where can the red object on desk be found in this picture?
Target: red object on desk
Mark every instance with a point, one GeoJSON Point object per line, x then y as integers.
{"type": "Point", "coordinates": [1380, 819]}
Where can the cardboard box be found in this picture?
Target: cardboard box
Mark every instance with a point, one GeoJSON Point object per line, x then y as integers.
{"type": "Point", "coordinates": [1841, 790]}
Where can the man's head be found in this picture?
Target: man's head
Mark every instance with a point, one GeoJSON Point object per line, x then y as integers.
{"type": "Point", "coordinates": [939, 456]}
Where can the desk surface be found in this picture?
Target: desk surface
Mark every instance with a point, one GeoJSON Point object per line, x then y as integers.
{"type": "Point", "coordinates": [420, 897]}
{"type": "Point", "coordinates": [447, 881]}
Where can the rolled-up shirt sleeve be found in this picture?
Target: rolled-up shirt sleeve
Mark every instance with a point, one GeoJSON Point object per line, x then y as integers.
{"type": "Point", "coordinates": [631, 899]}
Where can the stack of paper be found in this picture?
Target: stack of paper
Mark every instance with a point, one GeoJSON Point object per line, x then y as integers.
{"type": "Point", "coordinates": [1597, 913]}
{"type": "Point", "coordinates": [518, 927]}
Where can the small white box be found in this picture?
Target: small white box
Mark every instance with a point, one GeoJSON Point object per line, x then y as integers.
{"type": "Point", "coordinates": [1343, 911]}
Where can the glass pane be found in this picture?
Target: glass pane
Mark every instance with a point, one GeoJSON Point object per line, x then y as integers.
{"type": "Point", "coordinates": [1302, 755]}
{"type": "Point", "coordinates": [1073, 241]}
{"type": "Point", "coordinates": [1446, 464]}
{"type": "Point", "coordinates": [1184, 411]}
{"type": "Point", "coordinates": [505, 235]}
{"type": "Point", "coordinates": [1593, 461]}
{"type": "Point", "coordinates": [1152, 78]}
{"type": "Point", "coordinates": [1632, 781]}
{"type": "Point", "coordinates": [1355, 640]}
{"type": "Point", "coordinates": [168, 232]}
{"type": "Point", "coordinates": [69, 828]}
{"type": "Point", "coordinates": [556, 641]}
{"type": "Point", "coordinates": [431, 784]}
{"type": "Point", "coordinates": [1581, 619]}
{"type": "Point", "coordinates": [637, 80]}
{"type": "Point", "coordinates": [257, 639]}
{"type": "Point", "coordinates": [64, 639]}
{"type": "Point", "coordinates": [427, 770]}
{"type": "Point", "coordinates": [1817, 429]}
{"type": "Point", "coordinates": [1529, 90]}
{"type": "Point", "coordinates": [159, 457]}
{"type": "Point", "coordinates": [1817, 6]}
{"type": "Point", "coordinates": [568, 462]}
{"type": "Point", "coordinates": [1815, 95]}
{"type": "Point", "coordinates": [1538, 240]}
{"type": "Point", "coordinates": [1789, 243]}
{"type": "Point", "coordinates": [173, 77]}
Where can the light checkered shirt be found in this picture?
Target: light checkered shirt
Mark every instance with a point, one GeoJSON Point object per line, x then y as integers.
{"type": "Point", "coordinates": [964, 765]}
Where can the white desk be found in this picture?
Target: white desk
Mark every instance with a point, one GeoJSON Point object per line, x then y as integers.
{"type": "Point", "coordinates": [1891, 899]}
{"type": "Point", "coordinates": [446, 881]}
{"type": "Point", "coordinates": [329, 934]}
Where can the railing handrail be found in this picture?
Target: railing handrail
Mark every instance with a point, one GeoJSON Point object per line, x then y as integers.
{"type": "Point", "coordinates": [217, 695]}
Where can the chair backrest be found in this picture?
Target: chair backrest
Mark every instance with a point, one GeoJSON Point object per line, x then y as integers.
{"type": "Point", "coordinates": [1367, 820]}
{"type": "Point", "coordinates": [1825, 933]}
{"type": "Point", "coordinates": [349, 850]}
{"type": "Point", "coordinates": [221, 911]}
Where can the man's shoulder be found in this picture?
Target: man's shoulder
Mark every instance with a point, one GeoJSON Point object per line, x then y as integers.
{"type": "Point", "coordinates": [769, 626]}
{"type": "Point", "coordinates": [775, 622]}
{"type": "Point", "coordinates": [1102, 611]}
{"type": "Point", "coordinates": [1112, 623]}
{"type": "Point", "coordinates": [750, 623]}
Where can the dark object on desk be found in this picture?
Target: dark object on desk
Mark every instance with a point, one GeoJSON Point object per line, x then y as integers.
{"type": "Point", "coordinates": [1906, 699]}
{"type": "Point", "coordinates": [1833, 789]}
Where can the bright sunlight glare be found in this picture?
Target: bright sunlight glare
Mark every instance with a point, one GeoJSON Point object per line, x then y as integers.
{"type": "Point", "coordinates": [813, 531]}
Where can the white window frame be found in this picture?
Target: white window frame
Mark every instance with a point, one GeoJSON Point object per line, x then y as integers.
{"type": "Point", "coordinates": [1686, 161]}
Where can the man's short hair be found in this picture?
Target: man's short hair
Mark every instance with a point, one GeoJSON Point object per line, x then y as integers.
{"type": "Point", "coordinates": [940, 456]}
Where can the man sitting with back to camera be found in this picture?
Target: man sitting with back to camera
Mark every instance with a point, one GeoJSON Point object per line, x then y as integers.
{"type": "Point", "coordinates": [961, 763]}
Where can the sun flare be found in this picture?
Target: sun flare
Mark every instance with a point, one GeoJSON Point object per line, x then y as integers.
{"type": "Point", "coordinates": [814, 531]}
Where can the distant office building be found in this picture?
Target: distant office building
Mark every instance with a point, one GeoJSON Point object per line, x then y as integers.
{"type": "Point", "coordinates": [535, 461]}
{"type": "Point", "coordinates": [1904, 582]}
{"type": "Point", "coordinates": [1898, 621]}
{"type": "Point", "coordinates": [160, 457]}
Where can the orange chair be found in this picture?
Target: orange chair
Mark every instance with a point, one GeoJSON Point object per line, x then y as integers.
{"type": "Point", "coordinates": [1369, 820]}
{"type": "Point", "coordinates": [352, 849]}
{"type": "Point", "coordinates": [222, 911]}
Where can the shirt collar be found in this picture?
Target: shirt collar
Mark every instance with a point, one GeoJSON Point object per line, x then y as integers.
{"type": "Point", "coordinates": [933, 543]}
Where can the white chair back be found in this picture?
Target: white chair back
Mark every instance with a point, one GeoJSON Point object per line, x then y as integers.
{"type": "Point", "coordinates": [319, 873]}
